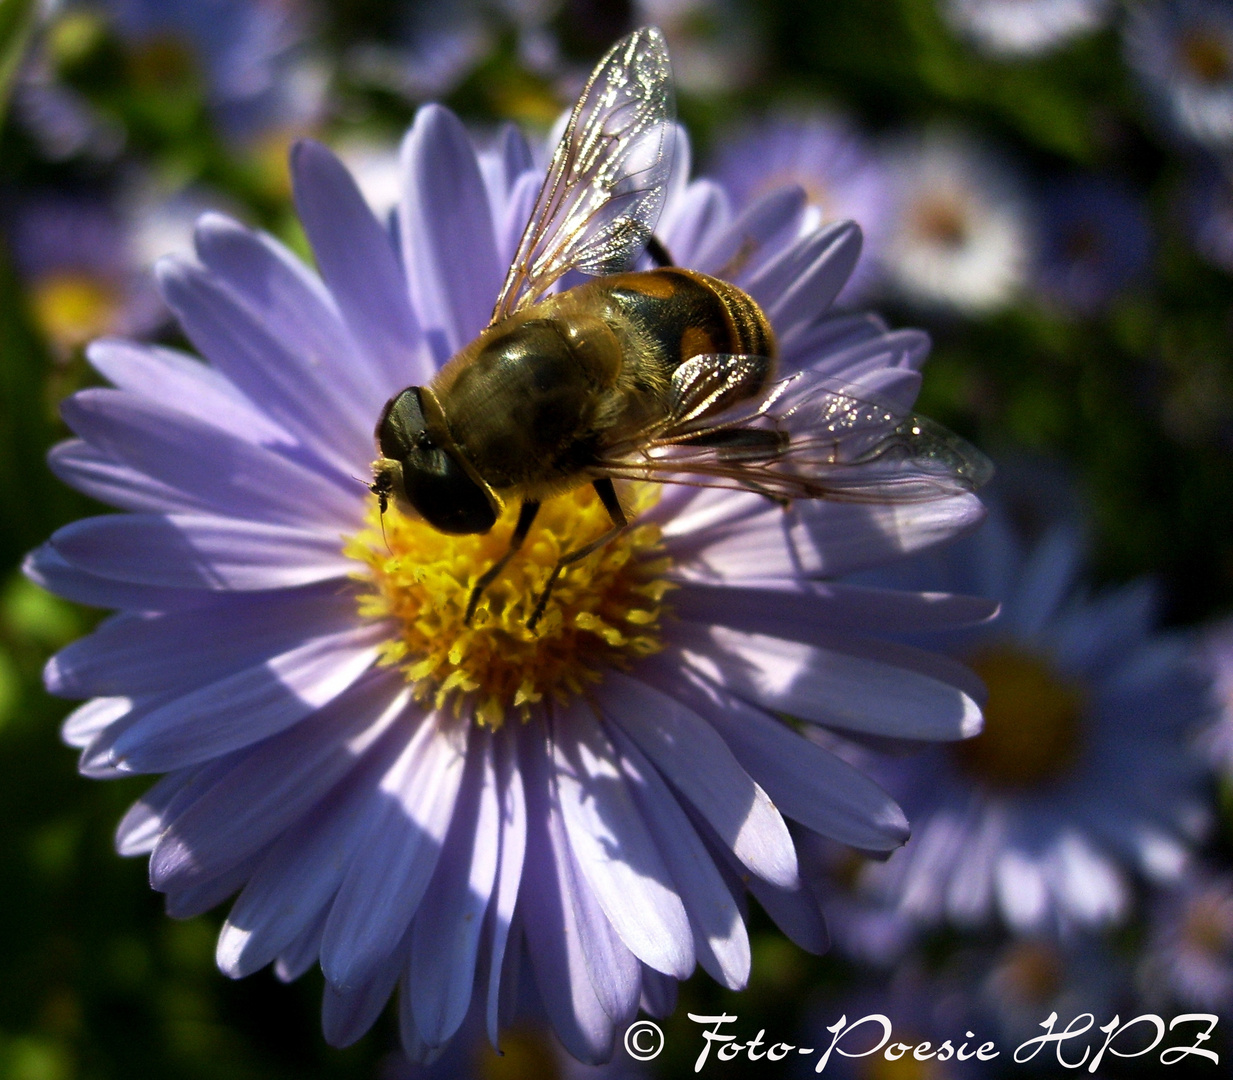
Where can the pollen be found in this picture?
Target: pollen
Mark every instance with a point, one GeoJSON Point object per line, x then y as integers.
{"type": "Point", "coordinates": [604, 611]}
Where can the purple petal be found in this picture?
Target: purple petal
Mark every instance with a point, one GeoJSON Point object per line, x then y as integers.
{"type": "Point", "coordinates": [800, 609]}
{"type": "Point", "coordinates": [830, 687]}
{"type": "Point", "coordinates": [808, 783]}
{"type": "Point", "coordinates": [720, 939]}
{"type": "Point", "coordinates": [141, 826]}
{"type": "Point", "coordinates": [447, 230]}
{"type": "Point", "coordinates": [820, 539]}
{"type": "Point", "coordinates": [47, 568]}
{"type": "Point", "coordinates": [301, 954]}
{"type": "Point", "coordinates": [384, 885]}
{"type": "Point", "coordinates": [692, 756]}
{"type": "Point", "coordinates": [184, 551]}
{"type": "Point", "coordinates": [797, 914]}
{"type": "Point", "coordinates": [513, 838]}
{"type": "Point", "coordinates": [274, 784]}
{"type": "Point", "coordinates": [554, 932]}
{"type": "Point", "coordinates": [658, 993]}
{"type": "Point", "coordinates": [613, 848]}
{"type": "Point", "coordinates": [247, 706]}
{"type": "Point", "coordinates": [292, 379]}
{"type": "Point", "coordinates": [701, 212]}
{"type": "Point", "coordinates": [899, 349]}
{"type": "Point", "coordinates": [83, 725]}
{"type": "Point", "coordinates": [445, 936]}
{"type": "Point", "coordinates": [220, 473]}
{"type": "Point", "coordinates": [814, 344]}
{"type": "Point", "coordinates": [291, 301]}
{"type": "Point", "coordinates": [199, 898]}
{"type": "Point", "coordinates": [101, 477]}
{"type": "Point", "coordinates": [734, 251]}
{"type": "Point", "coordinates": [144, 653]}
{"type": "Point", "coordinates": [346, 1016]}
{"type": "Point", "coordinates": [291, 887]}
{"type": "Point", "coordinates": [358, 262]}
{"type": "Point", "coordinates": [182, 383]}
{"type": "Point", "coordinates": [801, 283]}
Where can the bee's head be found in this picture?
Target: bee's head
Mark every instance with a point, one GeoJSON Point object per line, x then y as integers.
{"type": "Point", "coordinates": [420, 467]}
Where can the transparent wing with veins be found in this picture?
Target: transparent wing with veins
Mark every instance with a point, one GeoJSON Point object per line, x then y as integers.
{"type": "Point", "coordinates": [805, 437]}
{"type": "Point", "coordinates": [605, 185]}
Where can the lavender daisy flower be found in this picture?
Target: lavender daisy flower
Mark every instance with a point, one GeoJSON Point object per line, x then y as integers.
{"type": "Point", "coordinates": [248, 53]}
{"type": "Point", "coordinates": [824, 154]}
{"type": "Point", "coordinates": [1189, 953]}
{"type": "Point", "coordinates": [439, 45]}
{"type": "Point", "coordinates": [962, 235]}
{"type": "Point", "coordinates": [1096, 241]}
{"type": "Point", "coordinates": [1082, 774]}
{"type": "Point", "coordinates": [74, 255]}
{"type": "Point", "coordinates": [1209, 214]}
{"type": "Point", "coordinates": [1022, 982]}
{"type": "Point", "coordinates": [1018, 28]}
{"type": "Point", "coordinates": [419, 801]}
{"type": "Point", "coordinates": [1182, 50]}
{"type": "Point", "coordinates": [1217, 660]}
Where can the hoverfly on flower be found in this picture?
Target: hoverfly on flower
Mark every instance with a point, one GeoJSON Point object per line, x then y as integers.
{"type": "Point", "coordinates": [665, 374]}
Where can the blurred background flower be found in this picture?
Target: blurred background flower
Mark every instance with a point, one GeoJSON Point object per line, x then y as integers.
{"type": "Point", "coordinates": [1043, 184]}
{"type": "Point", "coordinates": [1086, 772]}
{"type": "Point", "coordinates": [1024, 28]}
{"type": "Point", "coordinates": [962, 235]}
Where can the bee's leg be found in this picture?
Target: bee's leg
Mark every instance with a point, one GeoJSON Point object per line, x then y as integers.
{"type": "Point", "coordinates": [658, 253]}
{"type": "Point", "coordinates": [608, 496]}
{"type": "Point", "coordinates": [525, 517]}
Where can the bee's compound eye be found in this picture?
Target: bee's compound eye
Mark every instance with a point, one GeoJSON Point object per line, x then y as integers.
{"type": "Point", "coordinates": [436, 485]}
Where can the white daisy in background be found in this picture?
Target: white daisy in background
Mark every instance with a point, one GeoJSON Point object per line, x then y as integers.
{"type": "Point", "coordinates": [1188, 959]}
{"type": "Point", "coordinates": [1021, 28]}
{"type": "Point", "coordinates": [1085, 777]}
{"type": "Point", "coordinates": [715, 45]}
{"type": "Point", "coordinates": [962, 236]}
{"type": "Point", "coordinates": [841, 174]}
{"type": "Point", "coordinates": [1182, 51]}
{"type": "Point", "coordinates": [413, 799]}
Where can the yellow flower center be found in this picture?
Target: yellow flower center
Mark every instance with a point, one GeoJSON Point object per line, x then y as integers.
{"type": "Point", "coordinates": [526, 1054]}
{"type": "Point", "coordinates": [71, 307]}
{"type": "Point", "coordinates": [1032, 721]}
{"type": "Point", "coordinates": [164, 63]}
{"type": "Point", "coordinates": [604, 610]}
{"type": "Point", "coordinates": [906, 1067]}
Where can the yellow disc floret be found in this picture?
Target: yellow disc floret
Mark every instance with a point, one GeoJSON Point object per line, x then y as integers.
{"type": "Point", "coordinates": [604, 611]}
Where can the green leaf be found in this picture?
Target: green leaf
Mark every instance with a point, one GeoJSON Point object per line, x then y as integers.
{"type": "Point", "coordinates": [16, 24]}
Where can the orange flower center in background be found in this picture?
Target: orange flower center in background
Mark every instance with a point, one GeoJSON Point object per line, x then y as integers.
{"type": "Point", "coordinates": [940, 220]}
{"type": "Point", "coordinates": [1207, 57]}
{"type": "Point", "coordinates": [604, 610]}
{"type": "Point", "coordinates": [1032, 731]}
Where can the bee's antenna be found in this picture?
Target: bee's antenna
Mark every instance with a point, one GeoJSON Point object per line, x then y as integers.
{"type": "Point", "coordinates": [381, 488]}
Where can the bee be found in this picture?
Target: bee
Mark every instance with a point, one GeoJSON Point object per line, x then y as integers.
{"type": "Point", "coordinates": [661, 374]}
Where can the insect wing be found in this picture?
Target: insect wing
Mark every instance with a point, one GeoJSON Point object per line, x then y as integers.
{"type": "Point", "coordinates": [807, 437]}
{"type": "Point", "coordinates": [606, 182]}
